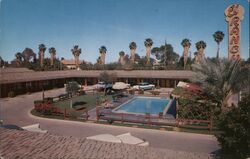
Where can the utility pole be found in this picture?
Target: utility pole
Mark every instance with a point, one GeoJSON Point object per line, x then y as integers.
{"type": "Point", "coordinates": [165, 53]}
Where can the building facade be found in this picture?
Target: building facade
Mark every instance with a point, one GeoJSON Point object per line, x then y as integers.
{"type": "Point", "coordinates": [21, 80]}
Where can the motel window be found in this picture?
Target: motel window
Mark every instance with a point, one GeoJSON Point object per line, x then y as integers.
{"type": "Point", "coordinates": [18, 86]}
{"type": "Point", "coordinates": [45, 83]}
{"type": "Point", "coordinates": [28, 84]}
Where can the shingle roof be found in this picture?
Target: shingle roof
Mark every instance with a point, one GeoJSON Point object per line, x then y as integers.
{"type": "Point", "coordinates": [14, 70]}
{"type": "Point", "coordinates": [25, 144]}
{"type": "Point", "coordinates": [68, 62]}
{"type": "Point", "coordinates": [19, 76]}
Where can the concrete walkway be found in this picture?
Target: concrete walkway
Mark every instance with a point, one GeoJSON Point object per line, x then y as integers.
{"type": "Point", "coordinates": [17, 111]}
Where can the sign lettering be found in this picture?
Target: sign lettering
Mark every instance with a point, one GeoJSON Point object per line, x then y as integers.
{"type": "Point", "coordinates": [234, 15]}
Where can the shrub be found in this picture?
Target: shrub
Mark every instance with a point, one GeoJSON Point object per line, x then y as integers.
{"type": "Point", "coordinates": [140, 91]}
{"type": "Point", "coordinates": [48, 100]}
{"type": "Point", "coordinates": [235, 127]}
{"type": "Point", "coordinates": [38, 101]}
{"type": "Point", "coordinates": [81, 92]}
{"type": "Point", "coordinates": [72, 87]}
{"type": "Point", "coordinates": [192, 109]}
{"type": "Point", "coordinates": [155, 92]}
{"type": "Point", "coordinates": [11, 94]}
{"type": "Point", "coordinates": [44, 108]}
{"type": "Point", "coordinates": [131, 91]}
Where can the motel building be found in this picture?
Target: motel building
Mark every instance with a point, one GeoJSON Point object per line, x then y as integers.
{"type": "Point", "coordinates": [22, 80]}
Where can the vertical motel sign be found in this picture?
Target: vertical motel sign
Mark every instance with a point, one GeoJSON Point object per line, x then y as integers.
{"type": "Point", "coordinates": [234, 15]}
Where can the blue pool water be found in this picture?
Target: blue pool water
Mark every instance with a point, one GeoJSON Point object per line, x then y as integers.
{"type": "Point", "coordinates": [152, 105]}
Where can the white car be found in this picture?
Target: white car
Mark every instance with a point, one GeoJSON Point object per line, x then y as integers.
{"type": "Point", "coordinates": [102, 85]}
{"type": "Point", "coordinates": [144, 86]}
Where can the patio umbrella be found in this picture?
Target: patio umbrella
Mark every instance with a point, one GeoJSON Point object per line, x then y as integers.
{"type": "Point", "coordinates": [182, 84]}
{"type": "Point", "coordinates": [120, 85]}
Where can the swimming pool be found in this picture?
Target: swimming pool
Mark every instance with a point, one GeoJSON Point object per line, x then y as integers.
{"type": "Point", "coordinates": [142, 105]}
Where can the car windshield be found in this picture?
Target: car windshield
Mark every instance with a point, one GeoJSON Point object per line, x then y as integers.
{"type": "Point", "coordinates": [143, 84]}
{"type": "Point", "coordinates": [101, 83]}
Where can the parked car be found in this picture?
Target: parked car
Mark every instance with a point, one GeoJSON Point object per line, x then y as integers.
{"type": "Point", "coordinates": [144, 86]}
{"type": "Point", "coordinates": [103, 85]}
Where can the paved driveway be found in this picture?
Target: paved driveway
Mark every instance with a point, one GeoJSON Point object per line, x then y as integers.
{"type": "Point", "coordinates": [16, 111]}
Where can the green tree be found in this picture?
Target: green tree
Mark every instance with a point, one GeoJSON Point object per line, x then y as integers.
{"type": "Point", "coordinates": [221, 80]}
{"type": "Point", "coordinates": [235, 127]}
{"type": "Point", "coordinates": [166, 55]}
{"type": "Point", "coordinates": [180, 63]}
{"type": "Point", "coordinates": [72, 87]}
{"type": "Point", "coordinates": [218, 37]}
{"type": "Point", "coordinates": [107, 77]}
{"type": "Point", "coordinates": [28, 54]}
{"type": "Point", "coordinates": [19, 59]}
{"type": "Point", "coordinates": [2, 62]}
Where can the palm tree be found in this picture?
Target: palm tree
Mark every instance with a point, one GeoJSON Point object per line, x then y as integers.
{"type": "Point", "coordinates": [200, 46]}
{"type": "Point", "coordinates": [148, 44]}
{"type": "Point", "coordinates": [42, 49]}
{"type": "Point", "coordinates": [186, 45]}
{"type": "Point", "coordinates": [122, 57]}
{"type": "Point", "coordinates": [76, 51]}
{"type": "Point", "coordinates": [221, 80]}
{"type": "Point", "coordinates": [103, 51]}
{"type": "Point", "coordinates": [18, 58]}
{"type": "Point", "coordinates": [218, 37]}
{"type": "Point", "coordinates": [132, 47]}
{"type": "Point", "coordinates": [52, 52]}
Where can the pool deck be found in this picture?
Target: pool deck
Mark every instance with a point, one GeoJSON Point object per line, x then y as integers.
{"type": "Point", "coordinates": [113, 115]}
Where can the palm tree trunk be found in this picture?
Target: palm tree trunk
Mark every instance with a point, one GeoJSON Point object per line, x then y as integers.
{"type": "Point", "coordinates": [77, 61]}
{"type": "Point", "coordinates": [41, 58]}
{"type": "Point", "coordinates": [148, 52]}
{"type": "Point", "coordinates": [218, 52]}
{"type": "Point", "coordinates": [132, 51]}
{"type": "Point", "coordinates": [225, 100]}
{"type": "Point", "coordinates": [185, 56]}
{"type": "Point", "coordinates": [103, 58]}
{"type": "Point", "coordinates": [51, 59]}
{"type": "Point", "coordinates": [121, 60]}
{"type": "Point", "coordinates": [200, 55]}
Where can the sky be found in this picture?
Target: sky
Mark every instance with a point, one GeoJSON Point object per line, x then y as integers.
{"type": "Point", "coordinates": [114, 24]}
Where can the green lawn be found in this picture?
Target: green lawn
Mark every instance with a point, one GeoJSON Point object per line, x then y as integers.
{"type": "Point", "coordinates": [89, 99]}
